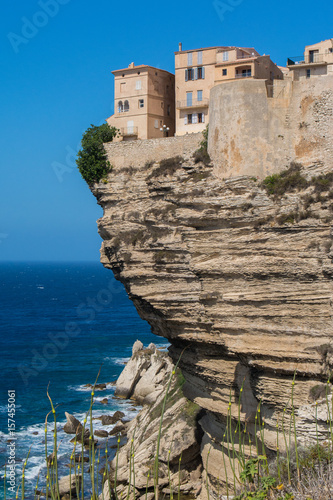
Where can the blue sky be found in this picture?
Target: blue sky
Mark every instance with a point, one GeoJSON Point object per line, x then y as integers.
{"type": "Point", "coordinates": [56, 58]}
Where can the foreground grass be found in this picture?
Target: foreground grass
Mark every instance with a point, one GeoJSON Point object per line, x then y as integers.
{"type": "Point", "coordinates": [296, 473]}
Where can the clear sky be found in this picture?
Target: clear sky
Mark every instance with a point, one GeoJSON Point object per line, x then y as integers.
{"type": "Point", "coordinates": [56, 58]}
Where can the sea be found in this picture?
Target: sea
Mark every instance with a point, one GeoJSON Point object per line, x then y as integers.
{"type": "Point", "coordinates": [61, 323]}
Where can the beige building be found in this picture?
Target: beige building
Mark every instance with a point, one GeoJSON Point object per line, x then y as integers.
{"type": "Point", "coordinates": [197, 71]}
{"type": "Point", "coordinates": [316, 61]}
{"type": "Point", "coordinates": [144, 103]}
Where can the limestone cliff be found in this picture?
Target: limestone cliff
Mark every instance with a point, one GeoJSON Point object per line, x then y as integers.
{"type": "Point", "coordinates": [241, 278]}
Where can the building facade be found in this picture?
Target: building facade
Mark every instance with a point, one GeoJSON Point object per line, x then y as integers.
{"type": "Point", "coordinates": [317, 60]}
{"type": "Point", "coordinates": [197, 71]}
{"type": "Point", "coordinates": [144, 103]}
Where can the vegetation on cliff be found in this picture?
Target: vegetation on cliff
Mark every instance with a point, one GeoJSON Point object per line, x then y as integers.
{"type": "Point", "coordinates": [92, 160]}
{"type": "Point", "coordinates": [201, 154]}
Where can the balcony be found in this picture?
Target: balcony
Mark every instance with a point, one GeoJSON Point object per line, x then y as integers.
{"type": "Point", "coordinates": [195, 103]}
{"type": "Point", "coordinates": [129, 131]}
{"type": "Point", "coordinates": [244, 75]}
{"type": "Point", "coordinates": [314, 58]}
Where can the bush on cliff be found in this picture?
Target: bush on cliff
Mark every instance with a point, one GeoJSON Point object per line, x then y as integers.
{"type": "Point", "coordinates": [92, 160]}
{"type": "Point", "coordinates": [286, 181]}
{"type": "Point", "coordinates": [201, 154]}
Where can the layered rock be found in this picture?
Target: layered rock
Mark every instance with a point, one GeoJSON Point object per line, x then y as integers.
{"type": "Point", "coordinates": [179, 448]}
{"type": "Point", "coordinates": [230, 273]}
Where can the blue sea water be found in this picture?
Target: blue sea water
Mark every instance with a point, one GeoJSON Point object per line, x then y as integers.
{"type": "Point", "coordinates": [59, 324]}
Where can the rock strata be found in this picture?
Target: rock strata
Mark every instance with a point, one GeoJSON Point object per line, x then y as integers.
{"type": "Point", "coordinates": [180, 436]}
{"type": "Point", "coordinates": [241, 278]}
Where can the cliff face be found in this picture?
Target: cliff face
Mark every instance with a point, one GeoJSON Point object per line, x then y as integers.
{"type": "Point", "coordinates": [243, 280]}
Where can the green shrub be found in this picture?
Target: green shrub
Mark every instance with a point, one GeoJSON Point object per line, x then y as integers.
{"type": "Point", "coordinates": [92, 160]}
{"type": "Point", "coordinates": [201, 154]}
{"type": "Point", "coordinates": [322, 182]}
{"type": "Point", "coordinates": [288, 180]}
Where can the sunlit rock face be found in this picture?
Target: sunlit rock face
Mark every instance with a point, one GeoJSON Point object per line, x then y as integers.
{"type": "Point", "coordinates": [241, 279]}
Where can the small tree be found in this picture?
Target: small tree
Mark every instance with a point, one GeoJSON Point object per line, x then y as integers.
{"type": "Point", "coordinates": [92, 160]}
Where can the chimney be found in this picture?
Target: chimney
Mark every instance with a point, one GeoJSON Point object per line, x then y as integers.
{"type": "Point", "coordinates": [131, 65]}
{"type": "Point", "coordinates": [180, 48]}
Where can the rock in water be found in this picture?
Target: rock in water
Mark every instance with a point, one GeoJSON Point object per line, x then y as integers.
{"type": "Point", "coordinates": [112, 419]}
{"type": "Point", "coordinates": [72, 426]}
{"type": "Point", "coordinates": [101, 434]}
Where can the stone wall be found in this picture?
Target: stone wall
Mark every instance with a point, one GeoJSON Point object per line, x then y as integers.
{"type": "Point", "coordinates": [253, 134]}
{"type": "Point", "coordinates": [137, 153]}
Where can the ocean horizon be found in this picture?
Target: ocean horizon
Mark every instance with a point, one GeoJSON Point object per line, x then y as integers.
{"type": "Point", "coordinates": [61, 322]}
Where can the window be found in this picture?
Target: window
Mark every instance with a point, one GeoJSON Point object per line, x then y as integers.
{"type": "Point", "coordinates": [308, 73]}
{"type": "Point", "coordinates": [120, 107]}
{"type": "Point", "coordinates": [189, 98]}
{"type": "Point", "coordinates": [199, 57]}
{"type": "Point", "coordinates": [199, 73]}
{"type": "Point", "coordinates": [126, 106]}
{"type": "Point", "coordinates": [169, 110]}
{"type": "Point", "coordinates": [141, 103]}
{"type": "Point", "coordinates": [162, 104]}
{"type": "Point", "coordinates": [201, 118]}
{"type": "Point", "coordinates": [156, 123]}
{"type": "Point", "coordinates": [225, 55]}
{"type": "Point", "coordinates": [189, 59]}
{"type": "Point", "coordinates": [189, 119]}
{"type": "Point", "coordinates": [224, 72]}
{"type": "Point", "coordinates": [138, 85]}
{"type": "Point", "coordinates": [123, 87]}
{"type": "Point", "coordinates": [189, 74]}
{"type": "Point", "coordinates": [199, 95]}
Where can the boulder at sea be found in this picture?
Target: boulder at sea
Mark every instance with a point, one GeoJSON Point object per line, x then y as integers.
{"type": "Point", "coordinates": [72, 426]}
{"type": "Point", "coordinates": [111, 419]}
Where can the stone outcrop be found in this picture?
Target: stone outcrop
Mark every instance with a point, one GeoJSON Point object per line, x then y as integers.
{"type": "Point", "coordinates": [240, 278]}
{"type": "Point", "coordinates": [180, 435]}
{"type": "Point", "coordinates": [144, 375]}
{"type": "Point", "coordinates": [72, 426]}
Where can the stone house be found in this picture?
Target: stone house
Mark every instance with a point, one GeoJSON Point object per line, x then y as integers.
{"type": "Point", "coordinates": [317, 60]}
{"type": "Point", "coordinates": [144, 103]}
{"type": "Point", "coordinates": [197, 71]}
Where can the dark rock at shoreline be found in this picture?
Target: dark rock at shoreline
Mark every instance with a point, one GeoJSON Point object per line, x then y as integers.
{"type": "Point", "coordinates": [100, 433]}
{"type": "Point", "coordinates": [72, 426]}
{"type": "Point", "coordinates": [104, 401]}
{"type": "Point", "coordinates": [111, 419]}
{"type": "Point", "coordinates": [98, 387]}
{"type": "Point", "coordinates": [118, 429]}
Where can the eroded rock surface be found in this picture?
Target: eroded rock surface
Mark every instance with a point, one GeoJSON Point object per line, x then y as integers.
{"type": "Point", "coordinates": [230, 273]}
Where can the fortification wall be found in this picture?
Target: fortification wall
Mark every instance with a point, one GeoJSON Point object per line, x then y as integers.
{"type": "Point", "coordinates": [137, 153]}
{"type": "Point", "coordinates": [252, 134]}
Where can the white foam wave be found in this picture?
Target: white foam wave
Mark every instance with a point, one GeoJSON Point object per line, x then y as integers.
{"type": "Point", "coordinates": [117, 361]}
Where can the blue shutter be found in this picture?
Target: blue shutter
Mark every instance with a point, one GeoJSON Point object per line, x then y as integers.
{"type": "Point", "coordinates": [186, 75]}
{"type": "Point", "coordinates": [203, 72]}
{"type": "Point", "coordinates": [195, 73]}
